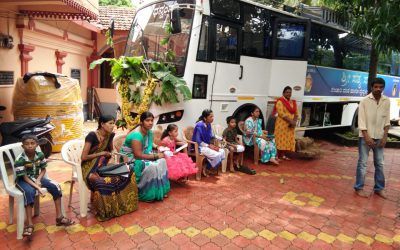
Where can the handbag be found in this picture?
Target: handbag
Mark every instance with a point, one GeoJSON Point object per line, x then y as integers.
{"type": "Point", "coordinates": [121, 169]}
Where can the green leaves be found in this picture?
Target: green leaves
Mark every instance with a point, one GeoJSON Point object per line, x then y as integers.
{"type": "Point", "coordinates": [136, 97]}
{"type": "Point", "coordinates": [378, 19]}
{"type": "Point", "coordinates": [170, 86]}
{"type": "Point", "coordinates": [130, 68]}
{"type": "Point", "coordinates": [109, 38]}
{"type": "Point", "coordinates": [125, 3]}
{"type": "Point", "coordinates": [98, 62]}
{"type": "Point", "coordinates": [135, 71]}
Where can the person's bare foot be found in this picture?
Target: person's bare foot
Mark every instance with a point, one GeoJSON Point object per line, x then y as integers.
{"type": "Point", "coordinates": [381, 194]}
{"type": "Point", "coordinates": [274, 161]}
{"type": "Point", "coordinates": [205, 172]}
{"type": "Point", "coordinates": [362, 193]}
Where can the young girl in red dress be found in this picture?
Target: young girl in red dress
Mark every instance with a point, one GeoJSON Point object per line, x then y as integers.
{"type": "Point", "coordinates": [180, 165]}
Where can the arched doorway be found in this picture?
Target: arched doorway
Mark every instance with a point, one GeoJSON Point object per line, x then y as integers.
{"type": "Point", "coordinates": [105, 70]}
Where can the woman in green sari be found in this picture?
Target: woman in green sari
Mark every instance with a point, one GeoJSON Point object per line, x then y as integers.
{"type": "Point", "coordinates": [150, 167]}
{"type": "Point", "coordinates": [111, 196]}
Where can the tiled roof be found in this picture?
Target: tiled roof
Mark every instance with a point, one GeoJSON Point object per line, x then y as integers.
{"type": "Point", "coordinates": [123, 17]}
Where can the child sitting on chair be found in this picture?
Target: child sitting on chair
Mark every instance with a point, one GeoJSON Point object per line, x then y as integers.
{"type": "Point", "coordinates": [230, 136]}
{"type": "Point", "coordinates": [30, 168]}
{"type": "Point", "coordinates": [179, 165]}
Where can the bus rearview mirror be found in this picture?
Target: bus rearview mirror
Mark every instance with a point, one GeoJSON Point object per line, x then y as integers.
{"type": "Point", "coordinates": [176, 21]}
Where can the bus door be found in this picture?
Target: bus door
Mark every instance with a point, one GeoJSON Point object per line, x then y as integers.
{"type": "Point", "coordinates": [289, 56]}
{"type": "Point", "coordinates": [227, 73]}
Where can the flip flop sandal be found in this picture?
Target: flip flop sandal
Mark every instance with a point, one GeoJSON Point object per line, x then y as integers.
{"type": "Point", "coordinates": [28, 231]}
{"type": "Point", "coordinates": [247, 170]}
{"type": "Point", "coordinates": [205, 172]}
{"type": "Point", "coordinates": [64, 221]}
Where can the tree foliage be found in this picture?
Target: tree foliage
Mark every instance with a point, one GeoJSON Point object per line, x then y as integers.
{"type": "Point", "coordinates": [378, 19]}
{"type": "Point", "coordinates": [275, 3]}
{"type": "Point", "coordinates": [122, 3]}
{"type": "Point", "coordinates": [279, 3]}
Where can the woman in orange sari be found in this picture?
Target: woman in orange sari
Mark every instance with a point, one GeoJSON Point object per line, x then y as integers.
{"type": "Point", "coordinates": [285, 123]}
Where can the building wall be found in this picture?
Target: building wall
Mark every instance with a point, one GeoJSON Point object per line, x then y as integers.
{"type": "Point", "coordinates": [108, 101]}
{"type": "Point", "coordinates": [9, 61]}
{"type": "Point", "coordinates": [46, 37]}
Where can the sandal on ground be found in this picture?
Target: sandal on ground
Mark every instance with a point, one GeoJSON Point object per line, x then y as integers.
{"type": "Point", "coordinates": [362, 193]}
{"type": "Point", "coordinates": [205, 172]}
{"type": "Point", "coordinates": [28, 230]}
{"type": "Point", "coordinates": [274, 162]}
{"type": "Point", "coordinates": [64, 221]}
{"type": "Point", "coordinates": [286, 158]}
{"type": "Point", "coordinates": [182, 180]}
{"type": "Point", "coordinates": [247, 170]}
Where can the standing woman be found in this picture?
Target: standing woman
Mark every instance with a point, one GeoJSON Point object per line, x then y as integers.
{"type": "Point", "coordinates": [253, 127]}
{"type": "Point", "coordinates": [150, 167]}
{"type": "Point", "coordinates": [285, 123]}
{"type": "Point", "coordinates": [112, 196]}
{"type": "Point", "coordinates": [203, 135]}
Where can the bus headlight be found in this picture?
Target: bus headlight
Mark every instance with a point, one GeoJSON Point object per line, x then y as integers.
{"type": "Point", "coordinates": [170, 117]}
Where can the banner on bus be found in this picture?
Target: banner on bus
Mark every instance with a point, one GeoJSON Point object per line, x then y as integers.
{"type": "Point", "coordinates": [323, 81]}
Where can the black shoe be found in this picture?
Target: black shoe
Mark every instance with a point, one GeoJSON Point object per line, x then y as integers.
{"type": "Point", "coordinates": [247, 170]}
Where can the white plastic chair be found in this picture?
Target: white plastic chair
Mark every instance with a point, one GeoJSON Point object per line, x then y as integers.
{"type": "Point", "coordinates": [118, 141]}
{"type": "Point", "coordinates": [71, 153]}
{"type": "Point", "coordinates": [218, 130]}
{"type": "Point", "coordinates": [12, 151]}
{"type": "Point", "coordinates": [117, 144]}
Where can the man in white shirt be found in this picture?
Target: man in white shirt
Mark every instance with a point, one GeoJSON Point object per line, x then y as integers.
{"type": "Point", "coordinates": [373, 124]}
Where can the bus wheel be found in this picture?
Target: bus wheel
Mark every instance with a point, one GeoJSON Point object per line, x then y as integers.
{"type": "Point", "coordinates": [244, 111]}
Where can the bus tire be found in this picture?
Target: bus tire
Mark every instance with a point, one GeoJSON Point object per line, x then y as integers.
{"type": "Point", "coordinates": [244, 111]}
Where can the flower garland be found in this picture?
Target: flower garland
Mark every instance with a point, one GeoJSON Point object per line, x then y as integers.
{"type": "Point", "coordinates": [126, 105]}
{"type": "Point", "coordinates": [143, 106]}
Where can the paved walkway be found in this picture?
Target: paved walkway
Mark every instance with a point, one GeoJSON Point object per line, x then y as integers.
{"type": "Point", "coordinates": [299, 205]}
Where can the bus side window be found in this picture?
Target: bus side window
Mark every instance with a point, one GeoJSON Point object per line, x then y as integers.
{"type": "Point", "coordinates": [199, 90]}
{"type": "Point", "coordinates": [226, 43]}
{"type": "Point", "coordinates": [256, 32]}
{"type": "Point", "coordinates": [203, 48]}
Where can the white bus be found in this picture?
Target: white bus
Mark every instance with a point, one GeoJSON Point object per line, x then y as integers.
{"type": "Point", "coordinates": [237, 54]}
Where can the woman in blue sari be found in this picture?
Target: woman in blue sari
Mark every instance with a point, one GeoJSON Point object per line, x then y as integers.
{"type": "Point", "coordinates": [150, 167]}
{"type": "Point", "coordinates": [203, 135]}
{"type": "Point", "coordinates": [253, 128]}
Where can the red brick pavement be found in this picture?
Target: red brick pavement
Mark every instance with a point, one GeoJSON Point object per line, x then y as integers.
{"type": "Point", "coordinates": [298, 205]}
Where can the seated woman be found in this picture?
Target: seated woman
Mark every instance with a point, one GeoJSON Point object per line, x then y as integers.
{"type": "Point", "coordinates": [150, 168]}
{"type": "Point", "coordinates": [252, 127]}
{"type": "Point", "coordinates": [112, 196]}
{"type": "Point", "coordinates": [203, 134]}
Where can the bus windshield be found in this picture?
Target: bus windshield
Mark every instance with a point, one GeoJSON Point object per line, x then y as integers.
{"type": "Point", "coordinates": [152, 34]}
